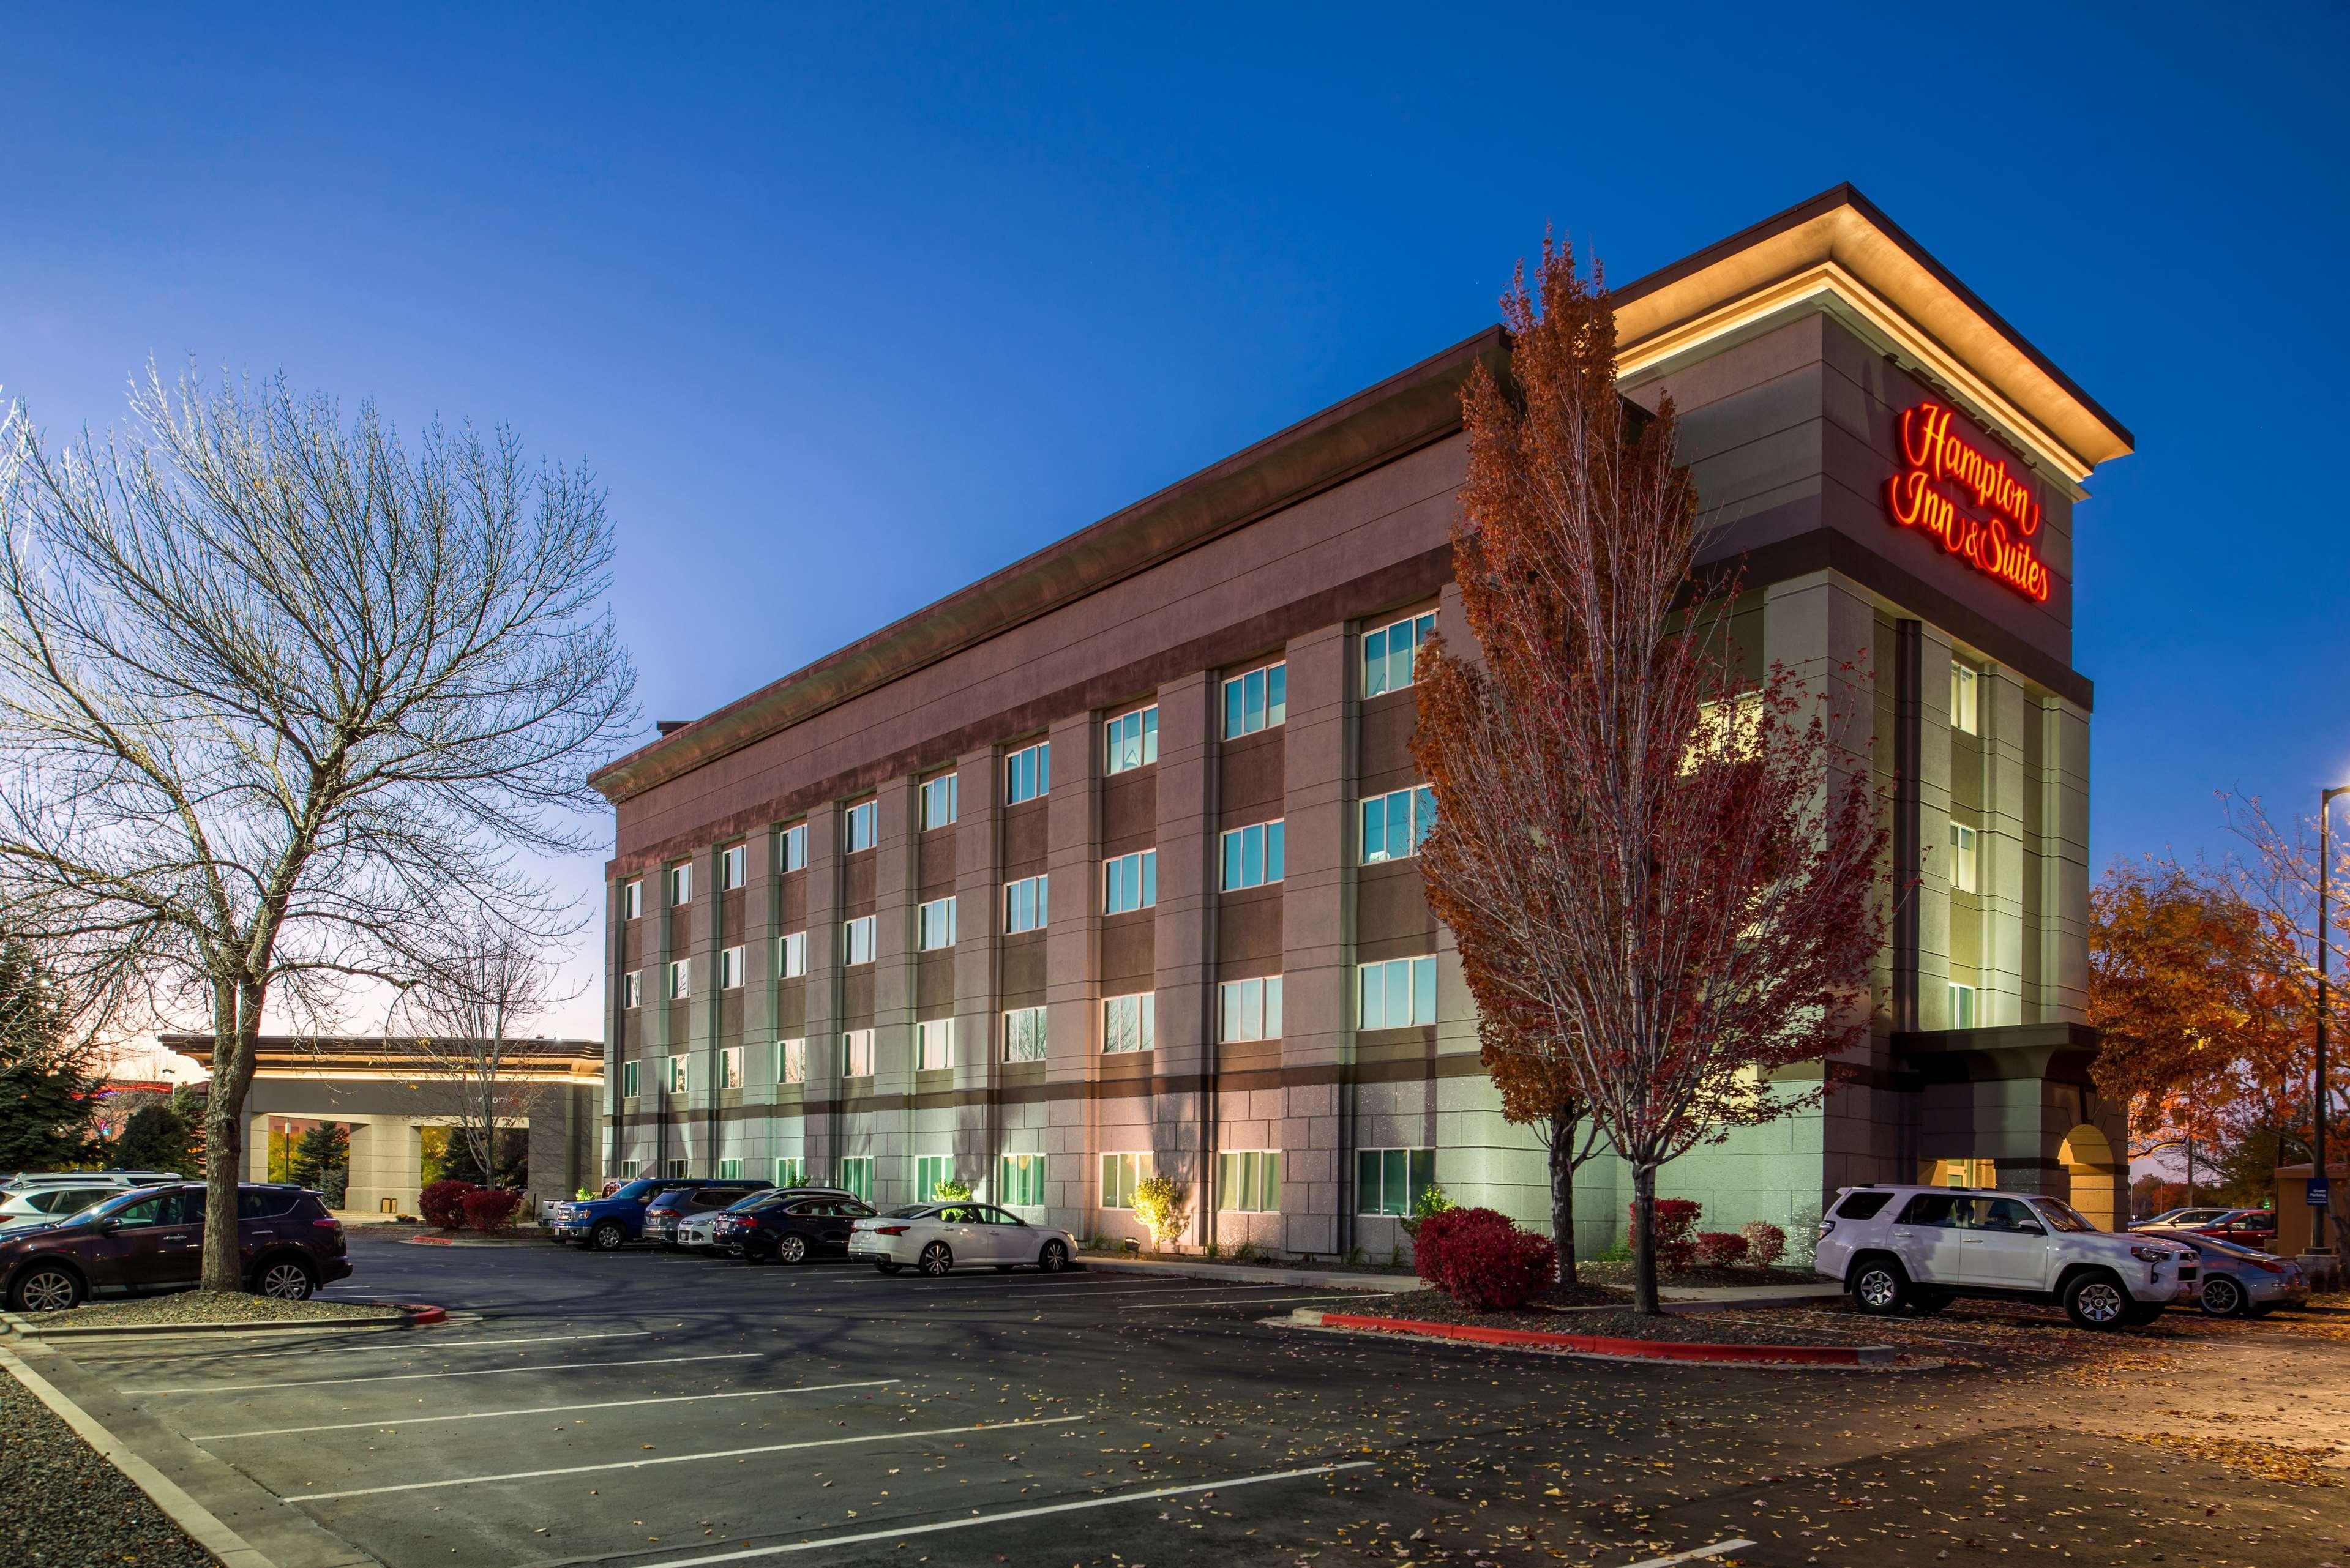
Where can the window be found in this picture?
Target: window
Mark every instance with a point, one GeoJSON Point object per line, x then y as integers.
{"type": "Point", "coordinates": [1389, 653]}
{"type": "Point", "coordinates": [856, 1177]}
{"type": "Point", "coordinates": [791, 955]}
{"type": "Point", "coordinates": [1133, 741]}
{"type": "Point", "coordinates": [629, 1080]}
{"type": "Point", "coordinates": [856, 940]}
{"type": "Point", "coordinates": [1121, 1174]}
{"type": "Point", "coordinates": [934, 1044]}
{"type": "Point", "coordinates": [1023, 1034]}
{"type": "Point", "coordinates": [733, 868]}
{"type": "Point", "coordinates": [1028, 773]}
{"type": "Point", "coordinates": [1397, 994]}
{"type": "Point", "coordinates": [730, 968]}
{"type": "Point", "coordinates": [1131, 882]}
{"type": "Point", "coordinates": [1392, 1181]}
{"type": "Point", "coordinates": [792, 846]}
{"type": "Point", "coordinates": [1963, 858]}
{"type": "Point", "coordinates": [858, 828]}
{"type": "Point", "coordinates": [1022, 1183]}
{"type": "Point", "coordinates": [1023, 904]}
{"type": "Point", "coordinates": [632, 899]}
{"type": "Point", "coordinates": [681, 884]}
{"type": "Point", "coordinates": [1253, 855]}
{"type": "Point", "coordinates": [1257, 700]}
{"type": "Point", "coordinates": [1249, 1181]}
{"type": "Point", "coordinates": [730, 1070]}
{"type": "Point", "coordinates": [1962, 1006]}
{"type": "Point", "coordinates": [632, 988]}
{"type": "Point", "coordinates": [857, 1054]}
{"type": "Point", "coordinates": [677, 1171]}
{"type": "Point", "coordinates": [790, 1170]}
{"type": "Point", "coordinates": [938, 802]}
{"type": "Point", "coordinates": [730, 1170]}
{"type": "Point", "coordinates": [1863, 1205]}
{"type": "Point", "coordinates": [1393, 825]}
{"type": "Point", "coordinates": [629, 1168]}
{"type": "Point", "coordinates": [934, 925]}
{"type": "Point", "coordinates": [791, 1061]}
{"type": "Point", "coordinates": [1249, 1009]}
{"type": "Point", "coordinates": [930, 1171]}
{"type": "Point", "coordinates": [1964, 712]}
{"type": "Point", "coordinates": [677, 1075]}
{"type": "Point", "coordinates": [681, 978]}
{"type": "Point", "coordinates": [1127, 1022]}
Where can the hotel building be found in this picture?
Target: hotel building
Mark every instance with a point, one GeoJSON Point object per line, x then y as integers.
{"type": "Point", "coordinates": [1105, 864]}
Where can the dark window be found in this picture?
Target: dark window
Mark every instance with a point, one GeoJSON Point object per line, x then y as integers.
{"type": "Point", "coordinates": [263, 1205]}
{"type": "Point", "coordinates": [2004, 1214]}
{"type": "Point", "coordinates": [1930, 1209]}
{"type": "Point", "coordinates": [163, 1209]}
{"type": "Point", "coordinates": [1862, 1205]}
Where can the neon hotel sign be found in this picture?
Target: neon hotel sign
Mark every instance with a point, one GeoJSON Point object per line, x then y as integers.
{"type": "Point", "coordinates": [1971, 502]}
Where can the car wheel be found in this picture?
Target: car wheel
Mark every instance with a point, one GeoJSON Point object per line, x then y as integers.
{"type": "Point", "coordinates": [46, 1287]}
{"type": "Point", "coordinates": [792, 1250]}
{"type": "Point", "coordinates": [937, 1259]}
{"type": "Point", "coordinates": [2096, 1299]}
{"type": "Point", "coordinates": [1879, 1288]}
{"type": "Point", "coordinates": [883, 1265]}
{"type": "Point", "coordinates": [1054, 1258]}
{"type": "Point", "coordinates": [2222, 1297]}
{"type": "Point", "coordinates": [284, 1281]}
{"type": "Point", "coordinates": [607, 1237]}
{"type": "Point", "coordinates": [1925, 1303]}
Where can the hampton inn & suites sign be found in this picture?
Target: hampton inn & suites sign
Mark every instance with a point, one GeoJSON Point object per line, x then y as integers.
{"type": "Point", "coordinates": [1978, 509]}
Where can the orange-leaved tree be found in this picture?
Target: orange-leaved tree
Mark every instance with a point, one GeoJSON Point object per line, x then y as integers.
{"type": "Point", "coordinates": [1663, 877]}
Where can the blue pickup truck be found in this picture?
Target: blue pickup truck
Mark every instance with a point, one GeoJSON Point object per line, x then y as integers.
{"type": "Point", "coordinates": [609, 1223]}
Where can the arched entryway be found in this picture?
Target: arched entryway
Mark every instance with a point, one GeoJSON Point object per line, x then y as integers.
{"type": "Point", "coordinates": [2095, 1174]}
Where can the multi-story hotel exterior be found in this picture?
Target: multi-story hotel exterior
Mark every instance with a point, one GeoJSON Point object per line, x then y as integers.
{"type": "Point", "coordinates": [1105, 865]}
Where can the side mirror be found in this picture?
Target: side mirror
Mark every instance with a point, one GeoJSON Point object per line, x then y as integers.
{"type": "Point", "coordinates": [108, 1226]}
{"type": "Point", "coordinates": [2029, 1229]}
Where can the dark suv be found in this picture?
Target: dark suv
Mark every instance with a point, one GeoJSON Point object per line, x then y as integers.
{"type": "Point", "coordinates": [688, 1199]}
{"type": "Point", "coordinates": [791, 1224]}
{"type": "Point", "coordinates": [153, 1239]}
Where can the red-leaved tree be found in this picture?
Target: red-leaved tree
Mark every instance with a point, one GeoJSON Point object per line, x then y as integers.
{"type": "Point", "coordinates": [1662, 874]}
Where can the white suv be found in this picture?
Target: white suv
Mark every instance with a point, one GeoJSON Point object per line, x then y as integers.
{"type": "Point", "coordinates": [1923, 1247]}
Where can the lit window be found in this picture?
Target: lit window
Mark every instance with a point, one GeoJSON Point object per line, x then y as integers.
{"type": "Point", "coordinates": [632, 988]}
{"type": "Point", "coordinates": [730, 968]}
{"type": "Point", "coordinates": [1392, 1181]}
{"type": "Point", "coordinates": [1390, 653]}
{"type": "Point", "coordinates": [931, 1171]}
{"type": "Point", "coordinates": [1397, 994]}
{"type": "Point", "coordinates": [790, 1170]}
{"type": "Point", "coordinates": [681, 884]}
{"type": "Point", "coordinates": [1963, 858]}
{"type": "Point", "coordinates": [1127, 1022]}
{"type": "Point", "coordinates": [934, 925]}
{"type": "Point", "coordinates": [1023, 1034]}
{"type": "Point", "coordinates": [1962, 1006]}
{"type": "Point", "coordinates": [730, 1170]}
{"type": "Point", "coordinates": [1022, 1183]}
{"type": "Point", "coordinates": [856, 940]}
{"type": "Point", "coordinates": [857, 1054]}
{"type": "Point", "coordinates": [681, 978]}
{"type": "Point", "coordinates": [733, 866]}
{"type": "Point", "coordinates": [1248, 1181]}
{"type": "Point", "coordinates": [1028, 773]}
{"type": "Point", "coordinates": [1131, 882]}
{"type": "Point", "coordinates": [1252, 855]}
{"type": "Point", "coordinates": [1249, 1009]}
{"type": "Point", "coordinates": [1257, 700]}
{"type": "Point", "coordinates": [1023, 904]}
{"type": "Point", "coordinates": [1395, 823]}
{"type": "Point", "coordinates": [791, 1061]}
{"type": "Point", "coordinates": [858, 826]}
{"type": "Point", "coordinates": [730, 1070]}
{"type": "Point", "coordinates": [791, 955]}
{"type": "Point", "coordinates": [677, 1075]}
{"type": "Point", "coordinates": [1965, 714]}
{"type": "Point", "coordinates": [1121, 1174]}
{"type": "Point", "coordinates": [632, 899]}
{"type": "Point", "coordinates": [856, 1177]}
{"type": "Point", "coordinates": [791, 842]}
{"type": "Point", "coordinates": [627, 1080]}
{"type": "Point", "coordinates": [938, 802]}
{"type": "Point", "coordinates": [934, 1044]}
{"type": "Point", "coordinates": [1133, 741]}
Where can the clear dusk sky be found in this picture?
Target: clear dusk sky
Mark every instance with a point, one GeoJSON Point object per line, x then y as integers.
{"type": "Point", "coordinates": [852, 305]}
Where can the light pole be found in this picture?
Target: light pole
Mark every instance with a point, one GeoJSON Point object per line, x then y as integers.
{"type": "Point", "coordinates": [2321, 1239]}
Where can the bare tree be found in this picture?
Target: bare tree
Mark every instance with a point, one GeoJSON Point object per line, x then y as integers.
{"type": "Point", "coordinates": [277, 693]}
{"type": "Point", "coordinates": [470, 1022]}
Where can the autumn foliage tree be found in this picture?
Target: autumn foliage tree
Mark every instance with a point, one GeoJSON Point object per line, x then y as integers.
{"type": "Point", "coordinates": [1661, 875]}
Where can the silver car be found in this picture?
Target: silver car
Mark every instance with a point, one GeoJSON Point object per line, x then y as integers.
{"type": "Point", "coordinates": [34, 1207]}
{"type": "Point", "coordinates": [694, 1231]}
{"type": "Point", "coordinates": [2238, 1281]}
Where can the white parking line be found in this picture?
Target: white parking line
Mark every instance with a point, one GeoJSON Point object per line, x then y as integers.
{"type": "Point", "coordinates": [685, 1458]}
{"type": "Point", "coordinates": [412, 1376]}
{"type": "Point", "coordinates": [1010, 1513]}
{"type": "Point", "coordinates": [403, 1347]}
{"type": "Point", "coordinates": [1716, 1549]}
{"type": "Point", "coordinates": [534, 1411]}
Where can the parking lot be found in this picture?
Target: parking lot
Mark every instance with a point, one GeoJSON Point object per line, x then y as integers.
{"type": "Point", "coordinates": [653, 1409]}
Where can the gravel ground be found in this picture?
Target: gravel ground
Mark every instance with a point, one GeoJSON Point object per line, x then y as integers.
{"type": "Point", "coordinates": [1768, 1326]}
{"type": "Point", "coordinates": [62, 1506]}
{"type": "Point", "coordinates": [196, 1307]}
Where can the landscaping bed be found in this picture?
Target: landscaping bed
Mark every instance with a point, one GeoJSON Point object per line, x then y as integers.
{"type": "Point", "coordinates": [201, 1306]}
{"type": "Point", "coordinates": [1613, 1320]}
{"type": "Point", "coordinates": [62, 1505]}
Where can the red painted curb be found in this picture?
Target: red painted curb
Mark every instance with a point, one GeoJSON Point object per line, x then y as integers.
{"type": "Point", "coordinates": [1635, 1349]}
{"type": "Point", "coordinates": [419, 1313]}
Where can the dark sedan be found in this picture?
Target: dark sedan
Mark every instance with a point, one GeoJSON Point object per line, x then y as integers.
{"type": "Point", "coordinates": [791, 1226]}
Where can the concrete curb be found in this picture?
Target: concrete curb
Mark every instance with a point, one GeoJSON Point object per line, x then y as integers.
{"type": "Point", "coordinates": [1615, 1349]}
{"type": "Point", "coordinates": [471, 1242]}
{"type": "Point", "coordinates": [1243, 1274]}
{"type": "Point", "coordinates": [413, 1314]}
{"type": "Point", "coordinates": [206, 1531]}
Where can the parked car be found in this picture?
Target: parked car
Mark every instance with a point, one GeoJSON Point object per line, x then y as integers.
{"type": "Point", "coordinates": [2239, 1280]}
{"type": "Point", "coordinates": [679, 1203]}
{"type": "Point", "coordinates": [36, 1206]}
{"type": "Point", "coordinates": [1923, 1247]}
{"type": "Point", "coordinates": [936, 1237]}
{"type": "Point", "coordinates": [2170, 1217]}
{"type": "Point", "coordinates": [2245, 1227]}
{"type": "Point", "coordinates": [610, 1222]}
{"type": "Point", "coordinates": [119, 1180]}
{"type": "Point", "coordinates": [790, 1224]}
{"type": "Point", "coordinates": [151, 1239]}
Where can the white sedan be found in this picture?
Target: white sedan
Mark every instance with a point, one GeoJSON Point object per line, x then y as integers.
{"type": "Point", "coordinates": [936, 1237]}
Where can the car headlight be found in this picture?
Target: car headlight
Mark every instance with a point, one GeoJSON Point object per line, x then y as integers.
{"type": "Point", "coordinates": [2153, 1254]}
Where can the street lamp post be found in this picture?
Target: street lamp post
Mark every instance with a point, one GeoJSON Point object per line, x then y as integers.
{"type": "Point", "coordinates": [2321, 1240]}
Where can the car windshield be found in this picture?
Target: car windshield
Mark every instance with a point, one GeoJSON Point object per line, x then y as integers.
{"type": "Point", "coordinates": [2061, 1215]}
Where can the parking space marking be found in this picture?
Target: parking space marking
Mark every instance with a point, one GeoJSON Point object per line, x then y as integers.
{"type": "Point", "coordinates": [537, 1410]}
{"type": "Point", "coordinates": [1010, 1513]}
{"type": "Point", "coordinates": [1697, 1555]}
{"type": "Point", "coordinates": [686, 1459]}
{"type": "Point", "coordinates": [483, 1372]}
{"type": "Point", "coordinates": [404, 1347]}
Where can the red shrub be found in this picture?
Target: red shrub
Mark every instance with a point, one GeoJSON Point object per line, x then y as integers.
{"type": "Point", "coordinates": [443, 1203]}
{"type": "Point", "coordinates": [1675, 1225]}
{"type": "Point", "coordinates": [491, 1208]}
{"type": "Point", "coordinates": [1720, 1249]}
{"type": "Point", "coordinates": [1766, 1242]}
{"type": "Point", "coordinates": [1482, 1261]}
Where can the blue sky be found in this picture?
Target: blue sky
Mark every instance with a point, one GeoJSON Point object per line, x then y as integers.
{"type": "Point", "coordinates": [849, 308]}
